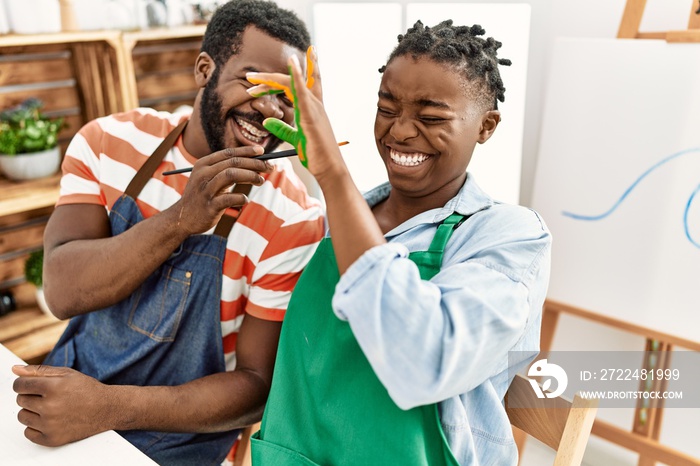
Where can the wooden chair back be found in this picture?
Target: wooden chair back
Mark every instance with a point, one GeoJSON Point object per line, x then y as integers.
{"type": "Point", "coordinates": [558, 423]}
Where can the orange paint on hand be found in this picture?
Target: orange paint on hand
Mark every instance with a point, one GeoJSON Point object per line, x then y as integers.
{"type": "Point", "coordinates": [273, 85]}
{"type": "Point", "coordinates": [309, 67]}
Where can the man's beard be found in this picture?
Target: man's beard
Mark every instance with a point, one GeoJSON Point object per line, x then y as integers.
{"type": "Point", "coordinates": [210, 112]}
{"type": "Point", "coordinates": [214, 125]}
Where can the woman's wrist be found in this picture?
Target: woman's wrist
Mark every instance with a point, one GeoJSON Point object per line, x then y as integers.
{"type": "Point", "coordinates": [330, 172]}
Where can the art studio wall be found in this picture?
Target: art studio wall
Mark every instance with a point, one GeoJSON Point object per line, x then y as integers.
{"type": "Point", "coordinates": [549, 19]}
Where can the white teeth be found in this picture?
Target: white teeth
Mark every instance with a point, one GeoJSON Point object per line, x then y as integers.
{"type": "Point", "coordinates": [406, 159]}
{"type": "Point", "coordinates": [251, 132]}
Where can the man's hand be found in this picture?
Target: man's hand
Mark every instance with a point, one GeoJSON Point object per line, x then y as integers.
{"type": "Point", "coordinates": [60, 405]}
{"type": "Point", "coordinates": [208, 191]}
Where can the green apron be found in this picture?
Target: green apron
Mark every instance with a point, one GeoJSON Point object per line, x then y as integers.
{"type": "Point", "coordinates": [326, 405]}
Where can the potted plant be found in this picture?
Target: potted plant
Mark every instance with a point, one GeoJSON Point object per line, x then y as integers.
{"type": "Point", "coordinates": [29, 142]}
{"type": "Point", "coordinates": [33, 273]}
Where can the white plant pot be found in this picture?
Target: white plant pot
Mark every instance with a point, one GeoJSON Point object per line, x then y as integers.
{"type": "Point", "coordinates": [90, 15]}
{"type": "Point", "coordinates": [34, 16]}
{"type": "Point", "coordinates": [120, 14]}
{"type": "Point", "coordinates": [41, 301]}
{"type": "Point", "coordinates": [4, 23]}
{"type": "Point", "coordinates": [30, 166]}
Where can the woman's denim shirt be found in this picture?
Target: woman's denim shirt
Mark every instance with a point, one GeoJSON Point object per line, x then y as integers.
{"type": "Point", "coordinates": [458, 339]}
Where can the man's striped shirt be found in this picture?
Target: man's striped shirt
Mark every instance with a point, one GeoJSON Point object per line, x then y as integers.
{"type": "Point", "coordinates": [270, 243]}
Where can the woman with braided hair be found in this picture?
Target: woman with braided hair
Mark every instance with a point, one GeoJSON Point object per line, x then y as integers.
{"type": "Point", "coordinates": [405, 331]}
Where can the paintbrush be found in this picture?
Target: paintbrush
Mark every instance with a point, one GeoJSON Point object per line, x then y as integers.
{"type": "Point", "coordinates": [268, 156]}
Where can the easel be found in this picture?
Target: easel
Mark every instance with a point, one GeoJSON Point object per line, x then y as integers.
{"type": "Point", "coordinates": [632, 19]}
{"type": "Point", "coordinates": [647, 420]}
{"type": "Point", "coordinates": [646, 429]}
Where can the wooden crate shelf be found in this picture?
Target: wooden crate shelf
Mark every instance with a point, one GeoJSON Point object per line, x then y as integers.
{"type": "Point", "coordinates": [18, 197]}
{"type": "Point", "coordinates": [79, 76]}
{"type": "Point", "coordinates": [23, 40]}
{"type": "Point", "coordinates": [30, 333]}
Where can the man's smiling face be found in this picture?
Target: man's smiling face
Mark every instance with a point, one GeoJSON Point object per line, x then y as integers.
{"type": "Point", "coordinates": [230, 116]}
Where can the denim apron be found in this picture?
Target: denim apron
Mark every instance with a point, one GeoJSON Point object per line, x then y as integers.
{"type": "Point", "coordinates": [168, 332]}
{"type": "Point", "coordinates": [338, 412]}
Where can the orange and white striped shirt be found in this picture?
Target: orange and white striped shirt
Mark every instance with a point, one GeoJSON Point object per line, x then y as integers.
{"type": "Point", "coordinates": [273, 239]}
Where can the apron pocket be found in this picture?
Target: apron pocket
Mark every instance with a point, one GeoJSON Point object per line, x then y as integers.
{"type": "Point", "coordinates": [268, 454]}
{"type": "Point", "coordinates": [157, 306]}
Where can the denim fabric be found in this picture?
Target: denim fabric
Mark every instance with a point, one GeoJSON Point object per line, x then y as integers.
{"type": "Point", "coordinates": [447, 340]}
{"type": "Point", "coordinates": [167, 332]}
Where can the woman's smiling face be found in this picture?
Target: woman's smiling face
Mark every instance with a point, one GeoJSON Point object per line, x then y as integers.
{"type": "Point", "coordinates": [427, 126]}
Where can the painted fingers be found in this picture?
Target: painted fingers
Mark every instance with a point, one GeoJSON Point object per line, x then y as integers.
{"type": "Point", "coordinates": [278, 83]}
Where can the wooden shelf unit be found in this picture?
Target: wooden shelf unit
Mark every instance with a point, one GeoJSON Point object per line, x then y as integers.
{"type": "Point", "coordinates": [78, 76]}
{"type": "Point", "coordinates": [30, 333]}
{"type": "Point", "coordinates": [159, 66]}
{"type": "Point", "coordinates": [24, 210]}
{"type": "Point", "coordinates": [17, 198]}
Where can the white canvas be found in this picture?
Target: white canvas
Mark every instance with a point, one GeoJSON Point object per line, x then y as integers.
{"type": "Point", "coordinates": [618, 177]}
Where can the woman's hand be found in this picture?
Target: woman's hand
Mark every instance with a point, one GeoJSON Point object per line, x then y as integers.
{"type": "Point", "coordinates": [278, 83]}
{"type": "Point", "coordinates": [352, 223]}
{"type": "Point", "coordinates": [313, 135]}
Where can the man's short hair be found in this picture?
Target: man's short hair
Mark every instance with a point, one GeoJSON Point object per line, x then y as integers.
{"type": "Point", "coordinates": [223, 36]}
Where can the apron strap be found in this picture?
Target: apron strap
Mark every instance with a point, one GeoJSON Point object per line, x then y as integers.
{"type": "Point", "coordinates": [149, 168]}
{"type": "Point", "coordinates": [226, 222]}
{"type": "Point", "coordinates": [430, 262]}
{"type": "Point", "coordinates": [444, 232]}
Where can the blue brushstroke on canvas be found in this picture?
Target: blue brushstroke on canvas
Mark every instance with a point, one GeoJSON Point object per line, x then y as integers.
{"type": "Point", "coordinates": [633, 185]}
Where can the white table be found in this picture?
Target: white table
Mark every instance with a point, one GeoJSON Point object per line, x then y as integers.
{"type": "Point", "coordinates": [105, 449]}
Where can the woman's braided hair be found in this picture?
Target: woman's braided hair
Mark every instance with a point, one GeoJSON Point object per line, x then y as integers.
{"type": "Point", "coordinates": [462, 48]}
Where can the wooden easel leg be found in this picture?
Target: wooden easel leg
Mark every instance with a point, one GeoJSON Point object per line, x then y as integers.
{"type": "Point", "coordinates": [694, 21]}
{"type": "Point", "coordinates": [631, 19]}
{"type": "Point", "coordinates": [649, 413]}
